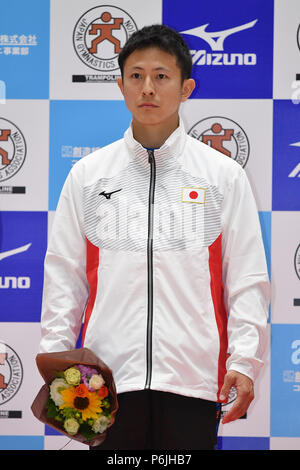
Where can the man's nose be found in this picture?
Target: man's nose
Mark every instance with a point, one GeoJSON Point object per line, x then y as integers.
{"type": "Point", "coordinates": [148, 87]}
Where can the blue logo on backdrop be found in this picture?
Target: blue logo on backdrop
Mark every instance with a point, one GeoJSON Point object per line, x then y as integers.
{"type": "Point", "coordinates": [232, 47]}
{"type": "Point", "coordinates": [23, 241]}
{"type": "Point", "coordinates": [286, 160]}
{"type": "Point", "coordinates": [285, 380]}
{"type": "Point", "coordinates": [24, 48]}
{"type": "Point", "coordinates": [78, 128]}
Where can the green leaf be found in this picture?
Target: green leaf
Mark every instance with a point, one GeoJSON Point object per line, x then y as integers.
{"type": "Point", "coordinates": [86, 431]}
{"type": "Point", "coordinates": [105, 403]}
{"type": "Point", "coordinates": [52, 409]}
{"type": "Point", "coordinates": [68, 412]}
{"type": "Point", "coordinates": [59, 374]}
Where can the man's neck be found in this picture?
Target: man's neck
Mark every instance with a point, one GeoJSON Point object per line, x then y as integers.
{"type": "Point", "coordinates": [153, 136]}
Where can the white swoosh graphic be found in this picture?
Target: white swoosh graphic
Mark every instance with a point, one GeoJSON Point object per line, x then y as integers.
{"type": "Point", "coordinates": [15, 251]}
{"type": "Point", "coordinates": [216, 44]}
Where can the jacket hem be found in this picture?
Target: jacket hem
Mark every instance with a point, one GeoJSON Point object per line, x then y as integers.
{"type": "Point", "coordinates": [188, 392]}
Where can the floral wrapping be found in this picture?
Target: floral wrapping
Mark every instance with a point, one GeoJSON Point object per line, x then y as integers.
{"type": "Point", "coordinates": [50, 365]}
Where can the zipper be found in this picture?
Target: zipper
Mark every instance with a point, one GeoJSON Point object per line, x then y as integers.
{"type": "Point", "coordinates": [151, 161]}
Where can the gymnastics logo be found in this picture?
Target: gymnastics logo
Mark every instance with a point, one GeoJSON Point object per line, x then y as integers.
{"type": "Point", "coordinates": [224, 135]}
{"type": "Point", "coordinates": [297, 262]}
{"type": "Point", "coordinates": [297, 270]}
{"type": "Point", "coordinates": [99, 36]}
{"type": "Point", "coordinates": [12, 149]}
{"type": "Point", "coordinates": [11, 373]}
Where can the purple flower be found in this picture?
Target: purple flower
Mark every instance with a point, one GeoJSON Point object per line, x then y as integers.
{"type": "Point", "coordinates": [86, 373]}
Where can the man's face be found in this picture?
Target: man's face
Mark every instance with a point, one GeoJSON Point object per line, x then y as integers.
{"type": "Point", "coordinates": [152, 86]}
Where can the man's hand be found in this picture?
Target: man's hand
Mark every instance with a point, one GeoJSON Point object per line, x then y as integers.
{"type": "Point", "coordinates": [245, 394]}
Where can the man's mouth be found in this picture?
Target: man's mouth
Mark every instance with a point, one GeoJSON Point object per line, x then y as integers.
{"type": "Point", "coordinates": [148, 105]}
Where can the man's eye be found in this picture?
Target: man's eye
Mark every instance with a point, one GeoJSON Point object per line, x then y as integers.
{"type": "Point", "coordinates": [161, 76]}
{"type": "Point", "coordinates": [135, 75]}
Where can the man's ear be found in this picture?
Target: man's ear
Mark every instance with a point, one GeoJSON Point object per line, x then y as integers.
{"type": "Point", "coordinates": [120, 84]}
{"type": "Point", "coordinates": [187, 88]}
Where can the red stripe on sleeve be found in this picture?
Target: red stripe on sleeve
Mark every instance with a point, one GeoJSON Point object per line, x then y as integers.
{"type": "Point", "coordinates": [92, 263]}
{"type": "Point", "coordinates": [217, 293]}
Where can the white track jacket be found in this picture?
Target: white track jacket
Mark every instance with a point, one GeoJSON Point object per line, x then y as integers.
{"type": "Point", "coordinates": [159, 254]}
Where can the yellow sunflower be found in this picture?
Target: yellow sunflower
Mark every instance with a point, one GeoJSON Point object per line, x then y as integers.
{"type": "Point", "coordinates": [89, 405]}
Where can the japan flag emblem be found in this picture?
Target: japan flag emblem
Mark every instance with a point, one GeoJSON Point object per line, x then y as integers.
{"type": "Point", "coordinates": [196, 195]}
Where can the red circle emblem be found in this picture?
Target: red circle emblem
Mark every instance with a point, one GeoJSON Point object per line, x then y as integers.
{"type": "Point", "coordinates": [193, 194]}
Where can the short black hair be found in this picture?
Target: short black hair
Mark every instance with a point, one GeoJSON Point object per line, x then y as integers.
{"type": "Point", "coordinates": [163, 37]}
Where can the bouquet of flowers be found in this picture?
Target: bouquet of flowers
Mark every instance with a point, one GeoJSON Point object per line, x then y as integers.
{"type": "Point", "coordinates": [79, 397]}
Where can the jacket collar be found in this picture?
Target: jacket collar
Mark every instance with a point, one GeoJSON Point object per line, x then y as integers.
{"type": "Point", "coordinates": [166, 155]}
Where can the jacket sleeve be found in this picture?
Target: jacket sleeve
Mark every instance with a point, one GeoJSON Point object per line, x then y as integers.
{"type": "Point", "coordinates": [245, 277]}
{"type": "Point", "coordinates": [65, 289]}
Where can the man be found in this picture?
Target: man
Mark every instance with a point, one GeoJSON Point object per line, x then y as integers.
{"type": "Point", "coordinates": [156, 240]}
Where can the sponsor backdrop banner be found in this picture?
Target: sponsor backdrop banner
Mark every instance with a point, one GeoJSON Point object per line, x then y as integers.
{"type": "Point", "coordinates": [59, 101]}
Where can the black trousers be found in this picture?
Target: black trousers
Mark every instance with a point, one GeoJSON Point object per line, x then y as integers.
{"type": "Point", "coordinates": [152, 420]}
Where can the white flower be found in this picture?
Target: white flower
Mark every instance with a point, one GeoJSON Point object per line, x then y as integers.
{"type": "Point", "coordinates": [100, 424]}
{"type": "Point", "coordinates": [55, 387]}
{"type": "Point", "coordinates": [71, 426]}
{"type": "Point", "coordinates": [96, 382]}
